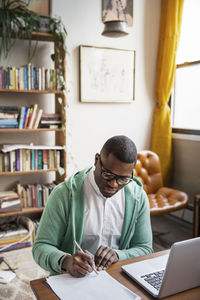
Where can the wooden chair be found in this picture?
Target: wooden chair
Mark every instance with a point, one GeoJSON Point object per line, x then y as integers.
{"type": "Point", "coordinates": [162, 199]}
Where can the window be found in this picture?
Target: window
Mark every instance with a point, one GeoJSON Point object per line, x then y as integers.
{"type": "Point", "coordinates": [185, 100]}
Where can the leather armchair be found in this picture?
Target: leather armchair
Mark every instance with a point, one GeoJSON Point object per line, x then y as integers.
{"type": "Point", "coordinates": [162, 199]}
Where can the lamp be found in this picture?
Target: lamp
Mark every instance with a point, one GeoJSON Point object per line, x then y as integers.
{"type": "Point", "coordinates": [114, 19]}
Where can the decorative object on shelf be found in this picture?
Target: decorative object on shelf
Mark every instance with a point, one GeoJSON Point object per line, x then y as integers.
{"type": "Point", "coordinates": [116, 15]}
{"type": "Point", "coordinates": [107, 74]}
{"type": "Point", "coordinates": [17, 21]}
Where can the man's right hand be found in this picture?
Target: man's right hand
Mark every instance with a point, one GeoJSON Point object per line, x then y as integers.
{"type": "Point", "coordinates": [79, 264]}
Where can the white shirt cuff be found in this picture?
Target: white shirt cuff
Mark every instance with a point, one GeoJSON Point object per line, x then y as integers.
{"type": "Point", "coordinates": [61, 262]}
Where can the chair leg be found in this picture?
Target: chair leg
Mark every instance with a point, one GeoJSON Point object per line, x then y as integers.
{"type": "Point", "coordinates": [196, 218]}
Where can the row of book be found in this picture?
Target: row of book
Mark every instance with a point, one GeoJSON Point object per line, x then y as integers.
{"type": "Point", "coordinates": [29, 159]}
{"type": "Point", "coordinates": [29, 77]}
{"type": "Point", "coordinates": [26, 196]}
{"type": "Point", "coordinates": [35, 195]}
{"type": "Point", "coordinates": [28, 118]}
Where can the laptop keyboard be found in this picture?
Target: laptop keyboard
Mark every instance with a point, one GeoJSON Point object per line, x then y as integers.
{"type": "Point", "coordinates": [154, 279]}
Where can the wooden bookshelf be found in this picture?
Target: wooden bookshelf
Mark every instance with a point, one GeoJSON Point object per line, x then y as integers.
{"type": "Point", "coordinates": [59, 133]}
{"type": "Point", "coordinates": [31, 91]}
{"type": "Point", "coordinates": [16, 130]}
{"type": "Point", "coordinates": [24, 211]}
{"type": "Point", "coordinates": [27, 172]}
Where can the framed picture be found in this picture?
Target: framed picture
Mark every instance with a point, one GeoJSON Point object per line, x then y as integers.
{"type": "Point", "coordinates": [41, 7]}
{"type": "Point", "coordinates": [107, 74]}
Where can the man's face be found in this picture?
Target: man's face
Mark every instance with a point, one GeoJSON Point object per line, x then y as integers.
{"type": "Point", "coordinates": [105, 171]}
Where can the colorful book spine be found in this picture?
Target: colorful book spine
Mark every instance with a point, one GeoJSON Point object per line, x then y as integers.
{"type": "Point", "coordinates": [1, 77]}
{"type": "Point", "coordinates": [25, 78]}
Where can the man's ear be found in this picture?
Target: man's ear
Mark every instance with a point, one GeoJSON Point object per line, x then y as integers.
{"type": "Point", "coordinates": [96, 159]}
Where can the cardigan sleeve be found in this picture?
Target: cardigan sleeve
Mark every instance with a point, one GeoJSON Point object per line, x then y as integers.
{"type": "Point", "coordinates": [140, 240]}
{"type": "Point", "coordinates": [50, 233]}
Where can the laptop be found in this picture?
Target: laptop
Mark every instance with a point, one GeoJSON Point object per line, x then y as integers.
{"type": "Point", "coordinates": [169, 274]}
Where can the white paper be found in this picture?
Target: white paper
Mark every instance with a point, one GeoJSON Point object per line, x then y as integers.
{"type": "Point", "coordinates": [90, 287]}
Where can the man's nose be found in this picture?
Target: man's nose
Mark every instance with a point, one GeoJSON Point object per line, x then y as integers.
{"type": "Point", "coordinates": [113, 183]}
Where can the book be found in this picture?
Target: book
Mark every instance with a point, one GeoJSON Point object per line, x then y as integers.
{"type": "Point", "coordinates": [40, 159]}
{"type": "Point", "coordinates": [12, 208]}
{"type": "Point", "coordinates": [12, 161]}
{"type": "Point", "coordinates": [38, 117]}
{"type": "Point", "coordinates": [10, 203]}
{"type": "Point", "coordinates": [17, 246]}
{"type": "Point", "coordinates": [25, 114]}
{"type": "Point", "coordinates": [21, 118]}
{"type": "Point", "coordinates": [8, 194]}
{"type": "Point", "coordinates": [33, 116]}
{"type": "Point", "coordinates": [27, 117]}
{"type": "Point", "coordinates": [25, 78]}
{"type": "Point", "coordinates": [45, 159]}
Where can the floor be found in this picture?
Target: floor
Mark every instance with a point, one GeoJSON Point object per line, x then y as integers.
{"type": "Point", "coordinates": [174, 230]}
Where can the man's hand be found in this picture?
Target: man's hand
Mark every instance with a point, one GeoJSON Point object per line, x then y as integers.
{"type": "Point", "coordinates": [79, 264]}
{"type": "Point", "coordinates": [104, 257]}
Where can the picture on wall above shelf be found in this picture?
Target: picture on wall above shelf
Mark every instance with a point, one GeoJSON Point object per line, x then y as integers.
{"type": "Point", "coordinates": [107, 75]}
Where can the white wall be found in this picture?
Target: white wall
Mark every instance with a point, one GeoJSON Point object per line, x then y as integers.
{"type": "Point", "coordinates": [90, 124]}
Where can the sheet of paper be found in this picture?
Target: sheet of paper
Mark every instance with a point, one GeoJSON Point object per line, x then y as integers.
{"type": "Point", "coordinates": [90, 287]}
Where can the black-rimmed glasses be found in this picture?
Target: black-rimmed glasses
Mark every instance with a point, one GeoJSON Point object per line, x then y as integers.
{"type": "Point", "coordinates": [108, 175]}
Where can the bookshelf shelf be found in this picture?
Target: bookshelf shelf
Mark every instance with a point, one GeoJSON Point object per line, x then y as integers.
{"type": "Point", "coordinates": [24, 211]}
{"type": "Point", "coordinates": [31, 91]}
{"type": "Point", "coordinates": [30, 130]}
{"type": "Point", "coordinates": [58, 135]}
{"type": "Point", "coordinates": [27, 172]}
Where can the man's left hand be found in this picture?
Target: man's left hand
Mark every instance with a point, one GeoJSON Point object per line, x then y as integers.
{"type": "Point", "coordinates": [104, 257]}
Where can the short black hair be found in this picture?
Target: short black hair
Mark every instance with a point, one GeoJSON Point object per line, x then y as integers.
{"type": "Point", "coordinates": [122, 147]}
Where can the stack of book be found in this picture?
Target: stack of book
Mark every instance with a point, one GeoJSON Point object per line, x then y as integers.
{"type": "Point", "coordinates": [9, 201]}
{"type": "Point", "coordinates": [29, 77]}
{"type": "Point", "coordinates": [9, 117]}
{"type": "Point", "coordinates": [29, 117]}
{"type": "Point", "coordinates": [51, 121]}
{"type": "Point", "coordinates": [16, 234]}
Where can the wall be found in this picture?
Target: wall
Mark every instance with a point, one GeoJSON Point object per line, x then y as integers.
{"type": "Point", "coordinates": [90, 124]}
{"type": "Point", "coordinates": [186, 175]}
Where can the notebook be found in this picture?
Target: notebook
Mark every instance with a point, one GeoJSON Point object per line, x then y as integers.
{"type": "Point", "coordinates": [179, 270]}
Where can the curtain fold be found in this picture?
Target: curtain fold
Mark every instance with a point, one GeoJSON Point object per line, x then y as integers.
{"type": "Point", "coordinates": [170, 26]}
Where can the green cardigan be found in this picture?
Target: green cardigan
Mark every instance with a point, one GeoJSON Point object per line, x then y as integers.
{"type": "Point", "coordinates": [62, 222]}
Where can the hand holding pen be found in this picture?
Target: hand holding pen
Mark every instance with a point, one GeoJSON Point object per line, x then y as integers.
{"type": "Point", "coordinates": [79, 248]}
{"type": "Point", "coordinates": [79, 264]}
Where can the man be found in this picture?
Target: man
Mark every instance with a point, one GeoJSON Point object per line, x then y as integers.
{"type": "Point", "coordinates": [104, 209]}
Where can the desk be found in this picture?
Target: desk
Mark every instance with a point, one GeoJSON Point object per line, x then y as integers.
{"type": "Point", "coordinates": [43, 292]}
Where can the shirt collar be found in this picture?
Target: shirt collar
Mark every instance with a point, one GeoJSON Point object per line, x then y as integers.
{"type": "Point", "coordinates": [93, 183]}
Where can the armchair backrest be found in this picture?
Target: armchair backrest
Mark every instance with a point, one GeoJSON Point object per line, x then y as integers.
{"type": "Point", "coordinates": [147, 169]}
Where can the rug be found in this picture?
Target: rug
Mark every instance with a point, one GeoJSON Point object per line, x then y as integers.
{"type": "Point", "coordinates": [27, 270]}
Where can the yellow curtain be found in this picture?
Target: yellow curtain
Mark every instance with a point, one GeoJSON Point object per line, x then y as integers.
{"type": "Point", "coordinates": [170, 25]}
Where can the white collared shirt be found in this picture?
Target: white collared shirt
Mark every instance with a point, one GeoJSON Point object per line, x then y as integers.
{"type": "Point", "coordinates": [104, 217]}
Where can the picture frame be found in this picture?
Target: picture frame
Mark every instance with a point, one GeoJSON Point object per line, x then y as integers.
{"type": "Point", "coordinates": [107, 74]}
{"type": "Point", "coordinates": [41, 7]}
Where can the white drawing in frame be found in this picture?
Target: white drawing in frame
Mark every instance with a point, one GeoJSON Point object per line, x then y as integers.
{"type": "Point", "coordinates": [107, 74]}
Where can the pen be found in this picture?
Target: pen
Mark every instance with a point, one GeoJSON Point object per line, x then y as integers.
{"type": "Point", "coordinates": [8, 266]}
{"type": "Point", "coordinates": [80, 249]}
